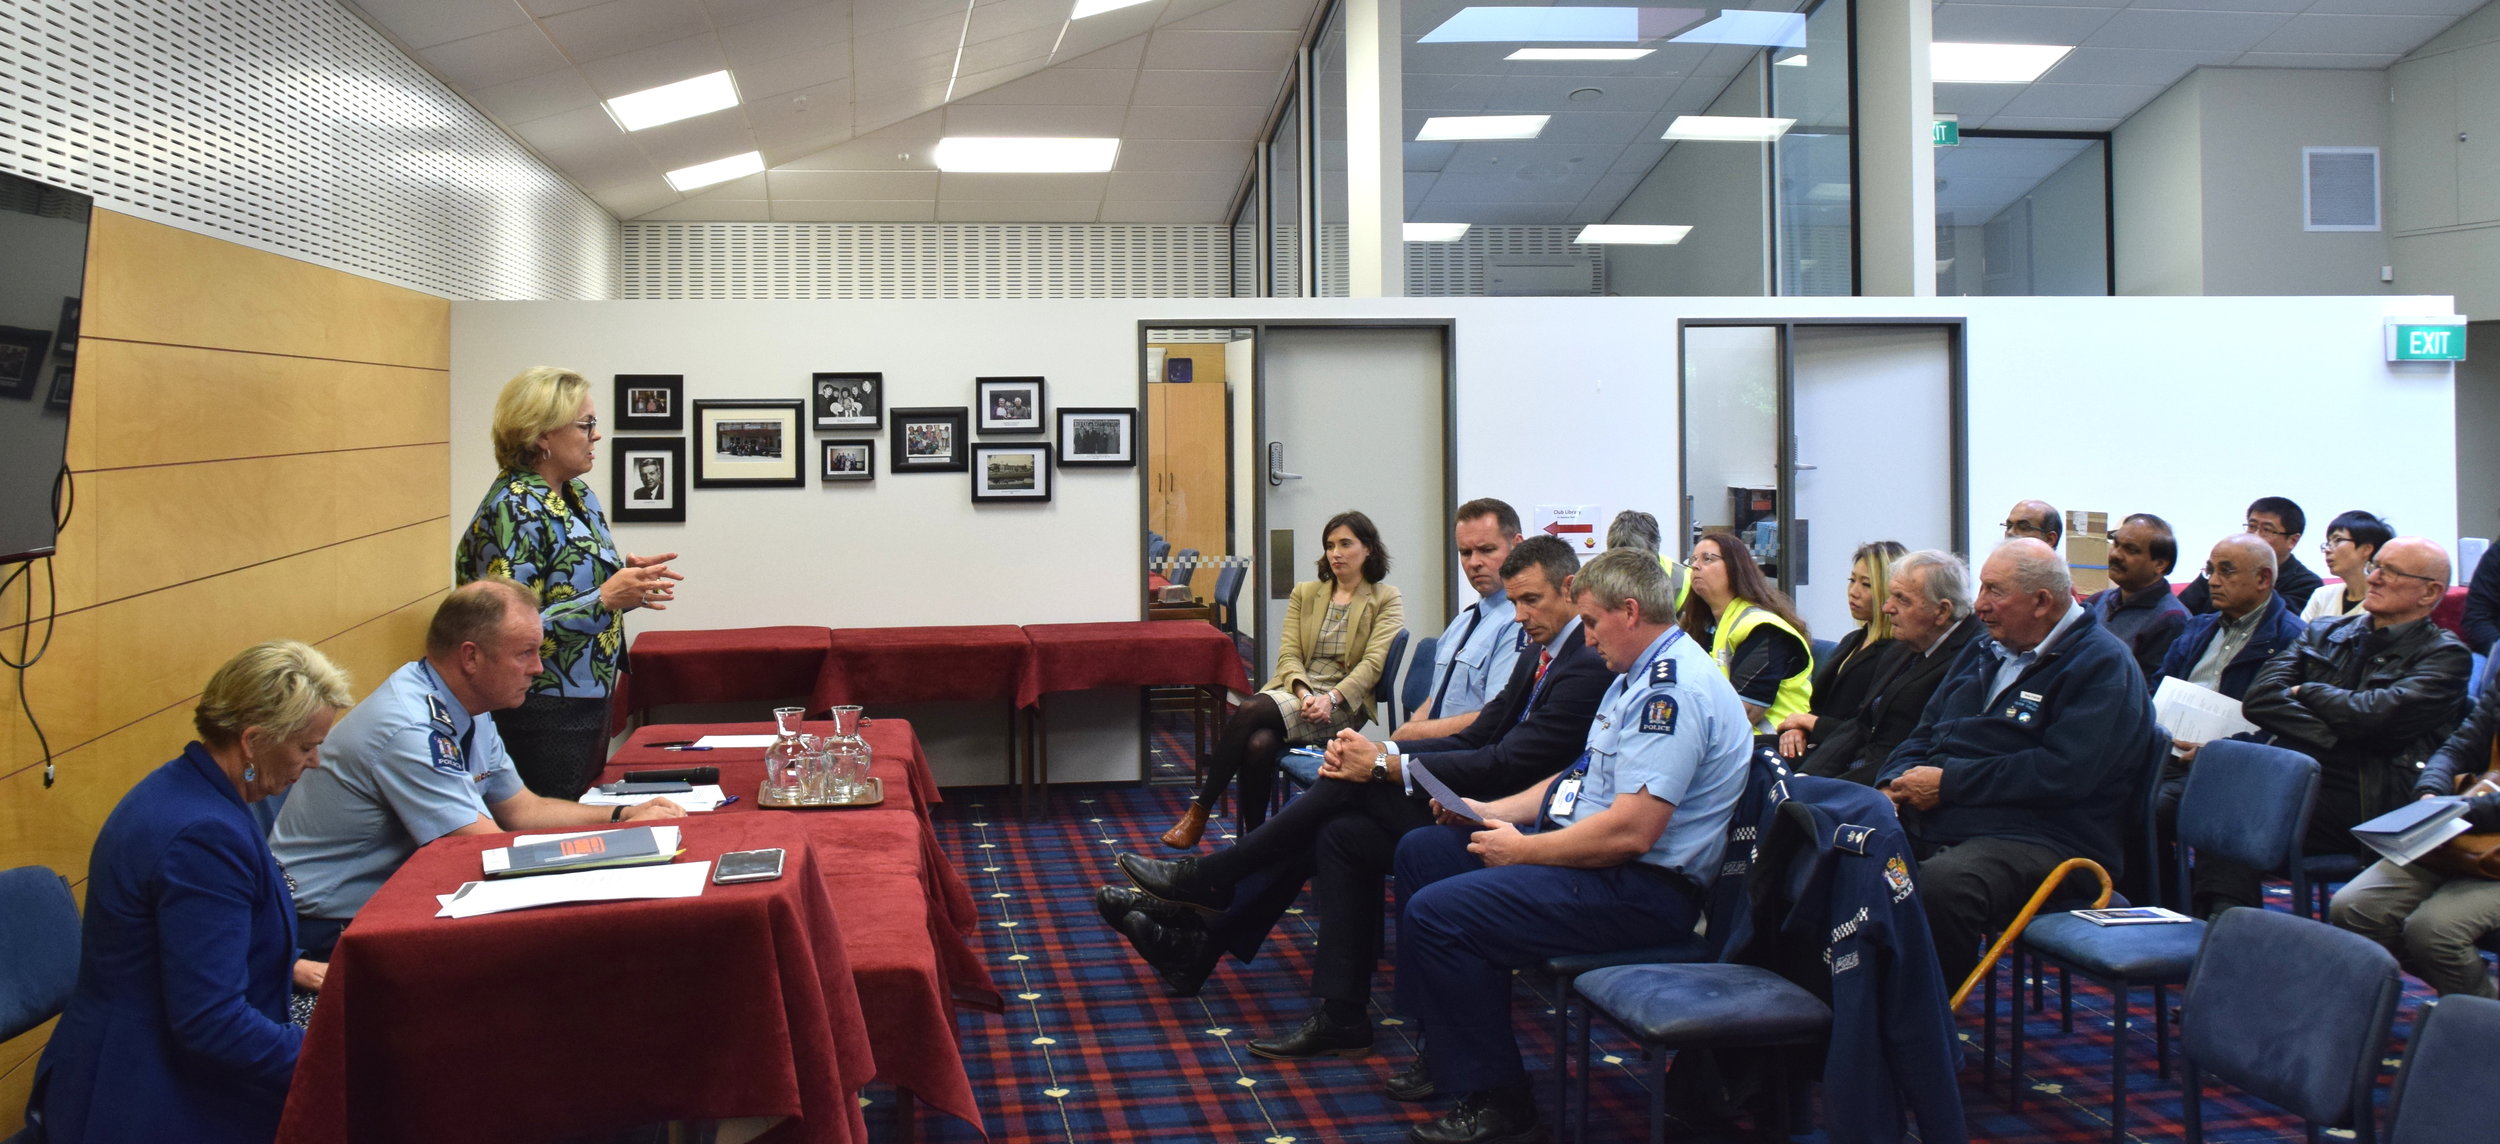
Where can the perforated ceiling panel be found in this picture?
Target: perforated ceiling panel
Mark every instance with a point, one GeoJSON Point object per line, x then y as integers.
{"type": "Point", "coordinates": [1456, 269]}
{"type": "Point", "coordinates": [291, 126]}
{"type": "Point", "coordinates": [670, 260]}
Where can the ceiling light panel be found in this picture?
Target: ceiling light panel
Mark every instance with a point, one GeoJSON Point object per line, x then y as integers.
{"type": "Point", "coordinates": [1498, 25]}
{"type": "Point", "coordinates": [1758, 29]}
{"type": "Point", "coordinates": [1447, 127]}
{"type": "Point", "coordinates": [1436, 231]}
{"type": "Point", "coordinates": [1625, 234]}
{"type": "Point", "coordinates": [1741, 128]}
{"type": "Point", "coordinates": [1992, 63]}
{"type": "Point", "coordinates": [671, 102]}
{"type": "Point", "coordinates": [972, 154]}
{"type": "Point", "coordinates": [1535, 54]}
{"type": "Point", "coordinates": [717, 171]}
{"type": "Point", "coordinates": [1086, 8]}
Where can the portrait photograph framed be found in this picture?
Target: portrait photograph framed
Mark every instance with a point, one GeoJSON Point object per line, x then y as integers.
{"type": "Point", "coordinates": [750, 444]}
{"type": "Point", "coordinates": [847, 400]}
{"type": "Point", "coordinates": [1003, 473]}
{"type": "Point", "coordinates": [846, 461]}
{"type": "Point", "coordinates": [1098, 438]}
{"type": "Point", "coordinates": [650, 403]}
{"type": "Point", "coordinates": [928, 440]}
{"type": "Point", "coordinates": [1009, 404]}
{"type": "Point", "coordinates": [647, 480]}
{"type": "Point", "coordinates": [23, 355]}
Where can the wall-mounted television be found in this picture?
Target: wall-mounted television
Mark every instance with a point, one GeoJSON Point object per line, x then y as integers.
{"type": "Point", "coordinates": [43, 273]}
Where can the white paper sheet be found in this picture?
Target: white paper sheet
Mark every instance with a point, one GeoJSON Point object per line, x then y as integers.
{"type": "Point", "coordinates": [1441, 792]}
{"type": "Point", "coordinates": [702, 798]}
{"type": "Point", "coordinates": [736, 741]}
{"type": "Point", "coordinates": [475, 899]}
{"type": "Point", "coordinates": [2195, 714]}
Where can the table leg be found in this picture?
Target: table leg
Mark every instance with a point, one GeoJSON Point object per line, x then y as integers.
{"type": "Point", "coordinates": [1037, 748]}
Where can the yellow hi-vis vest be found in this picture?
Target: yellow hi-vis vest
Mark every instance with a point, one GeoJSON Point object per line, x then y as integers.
{"type": "Point", "coordinates": [1796, 692]}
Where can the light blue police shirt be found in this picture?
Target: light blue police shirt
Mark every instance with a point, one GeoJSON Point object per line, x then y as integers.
{"type": "Point", "coordinates": [1674, 726]}
{"type": "Point", "coordinates": [394, 776]}
{"type": "Point", "coordinates": [1484, 657]}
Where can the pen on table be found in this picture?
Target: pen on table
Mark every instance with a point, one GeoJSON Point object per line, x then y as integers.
{"type": "Point", "coordinates": [686, 748]}
{"type": "Point", "coordinates": [724, 802]}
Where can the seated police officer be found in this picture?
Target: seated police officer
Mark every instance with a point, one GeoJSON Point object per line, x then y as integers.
{"type": "Point", "coordinates": [1473, 657]}
{"type": "Point", "coordinates": [419, 759]}
{"type": "Point", "coordinates": [2025, 757]}
{"type": "Point", "coordinates": [1614, 853]}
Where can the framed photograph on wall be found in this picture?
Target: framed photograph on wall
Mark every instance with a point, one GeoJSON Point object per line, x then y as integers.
{"type": "Point", "coordinates": [650, 403]}
{"type": "Point", "coordinates": [1019, 472]}
{"type": "Point", "coordinates": [22, 358]}
{"type": "Point", "coordinates": [847, 460]}
{"type": "Point", "coordinates": [647, 480]}
{"type": "Point", "coordinates": [1010, 404]}
{"type": "Point", "coordinates": [750, 444]}
{"type": "Point", "coordinates": [928, 440]}
{"type": "Point", "coordinates": [848, 401]}
{"type": "Point", "coordinates": [62, 382]}
{"type": "Point", "coordinates": [65, 337]}
{"type": "Point", "coordinates": [1098, 438]}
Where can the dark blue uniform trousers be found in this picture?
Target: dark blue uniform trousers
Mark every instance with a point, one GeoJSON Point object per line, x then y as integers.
{"type": "Point", "coordinates": [1463, 926]}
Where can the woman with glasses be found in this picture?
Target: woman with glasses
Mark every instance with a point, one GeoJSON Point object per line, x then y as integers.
{"type": "Point", "coordinates": [1861, 657]}
{"type": "Point", "coordinates": [2352, 541]}
{"type": "Point", "coordinates": [541, 525]}
{"type": "Point", "coordinates": [1751, 629]}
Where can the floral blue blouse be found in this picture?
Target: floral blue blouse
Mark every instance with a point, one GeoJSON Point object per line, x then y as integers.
{"type": "Point", "coordinates": [524, 530]}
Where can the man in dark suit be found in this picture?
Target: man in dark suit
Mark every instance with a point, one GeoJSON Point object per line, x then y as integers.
{"type": "Point", "coordinates": [1342, 834]}
{"type": "Point", "coordinates": [1929, 603]}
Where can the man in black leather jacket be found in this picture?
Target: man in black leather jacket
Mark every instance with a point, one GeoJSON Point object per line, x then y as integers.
{"type": "Point", "coordinates": [2368, 696]}
{"type": "Point", "coordinates": [2429, 919]}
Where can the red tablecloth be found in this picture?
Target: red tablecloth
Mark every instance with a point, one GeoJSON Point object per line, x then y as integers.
{"type": "Point", "coordinates": [1157, 580]}
{"type": "Point", "coordinates": [732, 665]}
{"type": "Point", "coordinates": [922, 665]}
{"type": "Point", "coordinates": [736, 1003]}
{"type": "Point", "coordinates": [904, 912]}
{"type": "Point", "coordinates": [1132, 653]}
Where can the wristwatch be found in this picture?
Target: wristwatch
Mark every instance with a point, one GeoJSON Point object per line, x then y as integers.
{"type": "Point", "coordinates": [1380, 762]}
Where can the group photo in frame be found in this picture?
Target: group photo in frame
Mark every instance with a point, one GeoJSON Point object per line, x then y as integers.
{"type": "Point", "coordinates": [1098, 438]}
{"type": "Point", "coordinates": [650, 403]}
{"type": "Point", "coordinates": [929, 440]}
{"type": "Point", "coordinates": [750, 444]}
{"type": "Point", "coordinates": [647, 480]}
{"type": "Point", "coordinates": [1009, 404]}
{"type": "Point", "coordinates": [1010, 473]}
{"type": "Point", "coordinates": [847, 460]}
{"type": "Point", "coordinates": [847, 400]}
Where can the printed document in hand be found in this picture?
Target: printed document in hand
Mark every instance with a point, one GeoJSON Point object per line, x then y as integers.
{"type": "Point", "coordinates": [1441, 792]}
{"type": "Point", "coordinates": [680, 880]}
{"type": "Point", "coordinates": [2195, 714]}
{"type": "Point", "coordinates": [708, 796]}
{"type": "Point", "coordinates": [2414, 829]}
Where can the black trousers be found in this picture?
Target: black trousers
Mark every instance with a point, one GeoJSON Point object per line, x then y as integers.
{"type": "Point", "coordinates": [557, 744]}
{"type": "Point", "coordinates": [1972, 889]}
{"type": "Point", "coordinates": [1341, 837]}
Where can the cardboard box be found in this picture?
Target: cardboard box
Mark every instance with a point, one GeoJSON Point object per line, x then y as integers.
{"type": "Point", "coordinates": [2087, 560]}
{"type": "Point", "coordinates": [2087, 523]}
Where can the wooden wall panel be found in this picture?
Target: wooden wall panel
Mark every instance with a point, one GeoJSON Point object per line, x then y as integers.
{"type": "Point", "coordinates": [260, 451]}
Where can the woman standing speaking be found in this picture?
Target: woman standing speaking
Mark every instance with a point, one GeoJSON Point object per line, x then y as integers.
{"type": "Point", "coordinates": [541, 525]}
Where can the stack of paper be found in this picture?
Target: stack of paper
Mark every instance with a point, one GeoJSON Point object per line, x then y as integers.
{"type": "Point", "coordinates": [2414, 829]}
{"type": "Point", "coordinates": [702, 798]}
{"type": "Point", "coordinates": [2195, 714]}
{"type": "Point", "coordinates": [683, 880]}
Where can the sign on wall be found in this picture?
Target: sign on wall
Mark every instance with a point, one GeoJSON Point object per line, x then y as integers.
{"type": "Point", "coordinates": [2439, 338]}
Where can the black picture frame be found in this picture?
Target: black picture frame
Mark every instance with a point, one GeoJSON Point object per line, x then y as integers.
{"type": "Point", "coordinates": [914, 453]}
{"type": "Point", "coordinates": [631, 498]}
{"type": "Point", "coordinates": [1078, 438]}
{"type": "Point", "coordinates": [861, 453]}
{"type": "Point", "coordinates": [65, 338]}
{"type": "Point", "coordinates": [847, 401]}
{"type": "Point", "coordinates": [23, 354]}
{"type": "Point", "coordinates": [650, 403]}
{"type": "Point", "coordinates": [750, 444]}
{"type": "Point", "coordinates": [63, 380]}
{"type": "Point", "coordinates": [991, 398]}
{"type": "Point", "coordinates": [997, 480]}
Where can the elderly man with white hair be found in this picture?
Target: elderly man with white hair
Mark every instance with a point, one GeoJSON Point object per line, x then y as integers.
{"type": "Point", "coordinates": [2025, 757]}
{"type": "Point", "coordinates": [1929, 600]}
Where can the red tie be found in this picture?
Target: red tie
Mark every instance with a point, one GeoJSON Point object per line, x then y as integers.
{"type": "Point", "coordinates": [1544, 659]}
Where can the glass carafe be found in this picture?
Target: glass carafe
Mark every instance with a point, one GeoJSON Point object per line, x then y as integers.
{"type": "Point", "coordinates": [849, 755]}
{"type": "Point", "coordinates": [785, 761]}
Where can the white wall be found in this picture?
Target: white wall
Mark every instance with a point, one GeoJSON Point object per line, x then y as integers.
{"type": "Point", "coordinates": [1719, 189]}
{"type": "Point", "coordinates": [2093, 403]}
{"type": "Point", "coordinates": [2157, 181]}
{"type": "Point", "coordinates": [2069, 229]}
{"type": "Point", "coordinates": [2443, 166]}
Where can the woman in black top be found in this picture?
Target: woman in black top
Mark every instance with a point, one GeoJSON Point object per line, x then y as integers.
{"type": "Point", "coordinates": [1841, 681]}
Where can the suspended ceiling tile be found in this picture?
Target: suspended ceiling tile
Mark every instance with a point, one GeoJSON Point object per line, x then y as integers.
{"type": "Point", "coordinates": [1000, 119]}
{"type": "Point", "coordinates": [796, 30]}
{"type": "Point", "coordinates": [493, 58]}
{"type": "Point", "coordinates": [782, 144]}
{"type": "Point", "coordinates": [726, 13]}
{"type": "Point", "coordinates": [1508, 157]}
{"type": "Point", "coordinates": [781, 119]}
{"type": "Point", "coordinates": [2316, 60]}
{"type": "Point", "coordinates": [627, 200]}
{"type": "Point", "coordinates": [2282, 7]}
{"type": "Point", "coordinates": [1975, 102]}
{"type": "Point", "coordinates": [572, 130]}
{"type": "Point", "coordinates": [971, 83]}
{"type": "Point", "coordinates": [425, 23]}
{"type": "Point", "coordinates": [536, 97]}
{"type": "Point", "coordinates": [1123, 55]}
{"type": "Point", "coordinates": [1958, 22]}
{"type": "Point", "coordinates": [1020, 188]}
{"type": "Point", "coordinates": [1183, 155]}
{"type": "Point", "coordinates": [1499, 189]}
{"type": "Point", "coordinates": [551, 7]}
{"type": "Point", "coordinates": [1194, 122]}
{"type": "Point", "coordinates": [852, 184]}
{"type": "Point", "coordinates": [712, 211]}
{"type": "Point", "coordinates": [2138, 65]}
{"type": "Point", "coordinates": [1251, 16]}
{"type": "Point", "coordinates": [1156, 88]}
{"type": "Point", "coordinates": [1175, 48]}
{"type": "Point", "coordinates": [1086, 210]}
{"type": "Point", "coordinates": [1552, 94]}
{"type": "Point", "coordinates": [745, 187]}
{"type": "Point", "coordinates": [2449, 8]}
{"type": "Point", "coordinates": [621, 26]}
{"type": "Point", "coordinates": [646, 68]}
{"type": "Point", "coordinates": [698, 140]}
{"type": "Point", "coordinates": [1461, 59]}
{"type": "Point", "coordinates": [1640, 157]}
{"type": "Point", "coordinates": [1095, 33]}
{"type": "Point", "coordinates": [1202, 211]}
{"type": "Point", "coordinates": [917, 40]}
{"type": "Point", "coordinates": [929, 125]}
{"type": "Point", "coordinates": [1017, 17]}
{"type": "Point", "coordinates": [883, 154]}
{"type": "Point", "coordinates": [1447, 94]}
{"type": "Point", "coordinates": [2080, 101]}
{"type": "Point", "coordinates": [1060, 86]}
{"type": "Point", "coordinates": [1429, 156]}
{"type": "Point", "coordinates": [2049, 123]}
{"type": "Point", "coordinates": [2359, 35]}
{"type": "Point", "coordinates": [1171, 185]}
{"type": "Point", "coordinates": [792, 72]}
{"type": "Point", "coordinates": [1174, 11]}
{"type": "Point", "coordinates": [1027, 52]}
{"type": "Point", "coordinates": [855, 210]}
{"type": "Point", "coordinates": [885, 15]}
{"type": "Point", "coordinates": [1496, 214]}
{"type": "Point", "coordinates": [2187, 31]}
{"type": "Point", "coordinates": [604, 164]}
{"type": "Point", "coordinates": [1598, 127]}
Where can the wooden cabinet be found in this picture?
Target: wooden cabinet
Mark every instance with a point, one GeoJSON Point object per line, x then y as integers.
{"type": "Point", "coordinates": [1188, 451]}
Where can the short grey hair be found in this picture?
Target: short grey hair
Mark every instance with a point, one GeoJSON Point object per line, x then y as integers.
{"type": "Point", "coordinates": [279, 686]}
{"type": "Point", "coordinates": [2037, 571]}
{"type": "Point", "coordinates": [1942, 578]}
{"type": "Point", "coordinates": [1619, 574]}
{"type": "Point", "coordinates": [1633, 528]}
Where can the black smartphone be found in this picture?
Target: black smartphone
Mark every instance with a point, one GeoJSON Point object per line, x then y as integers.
{"type": "Point", "coordinates": [747, 866]}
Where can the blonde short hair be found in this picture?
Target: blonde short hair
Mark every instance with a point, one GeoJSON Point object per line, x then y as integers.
{"type": "Point", "coordinates": [536, 402]}
{"type": "Point", "coordinates": [278, 686]}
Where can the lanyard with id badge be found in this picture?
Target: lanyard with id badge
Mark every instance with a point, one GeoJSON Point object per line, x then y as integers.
{"type": "Point", "coordinates": [1565, 796]}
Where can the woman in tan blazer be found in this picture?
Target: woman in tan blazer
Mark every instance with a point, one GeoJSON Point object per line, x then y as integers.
{"type": "Point", "coordinates": [1336, 643]}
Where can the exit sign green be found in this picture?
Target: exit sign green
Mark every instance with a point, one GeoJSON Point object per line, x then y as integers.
{"type": "Point", "coordinates": [2426, 339]}
{"type": "Point", "coordinates": [1947, 131]}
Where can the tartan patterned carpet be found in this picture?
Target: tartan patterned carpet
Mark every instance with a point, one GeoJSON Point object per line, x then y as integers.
{"type": "Point", "coordinates": [1092, 1049]}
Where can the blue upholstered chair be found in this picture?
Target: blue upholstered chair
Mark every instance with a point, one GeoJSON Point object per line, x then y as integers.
{"type": "Point", "coordinates": [1157, 549]}
{"type": "Point", "coordinates": [1416, 689]}
{"type": "Point", "coordinates": [1227, 598]}
{"type": "Point", "coordinates": [2443, 1092]}
{"type": "Point", "coordinates": [38, 951]}
{"type": "Point", "coordinates": [2292, 1011]}
{"type": "Point", "coordinates": [2244, 802]}
{"type": "Point", "coordinates": [1703, 1005]}
{"type": "Point", "coordinates": [1184, 567]}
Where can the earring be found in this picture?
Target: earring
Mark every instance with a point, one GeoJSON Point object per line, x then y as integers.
{"type": "Point", "coordinates": [250, 772]}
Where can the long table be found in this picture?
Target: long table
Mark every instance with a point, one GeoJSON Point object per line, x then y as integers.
{"type": "Point", "coordinates": [588, 1018]}
{"type": "Point", "coordinates": [905, 914]}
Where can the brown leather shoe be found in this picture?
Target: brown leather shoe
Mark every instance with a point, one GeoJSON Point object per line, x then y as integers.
{"type": "Point", "coordinates": [1184, 834]}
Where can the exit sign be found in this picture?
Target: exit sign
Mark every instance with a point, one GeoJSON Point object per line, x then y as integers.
{"type": "Point", "coordinates": [1947, 131]}
{"type": "Point", "coordinates": [2426, 339]}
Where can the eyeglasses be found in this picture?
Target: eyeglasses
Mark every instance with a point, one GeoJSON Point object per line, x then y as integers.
{"type": "Point", "coordinates": [2018, 527]}
{"type": "Point", "coordinates": [587, 425]}
{"type": "Point", "coordinates": [1703, 558]}
{"type": "Point", "coordinates": [2263, 529]}
{"type": "Point", "coordinates": [2212, 571]}
{"type": "Point", "coordinates": [2332, 543]}
{"type": "Point", "coordinates": [2374, 568]}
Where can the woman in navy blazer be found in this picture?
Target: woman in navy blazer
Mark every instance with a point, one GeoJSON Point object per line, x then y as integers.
{"type": "Point", "coordinates": [178, 1027]}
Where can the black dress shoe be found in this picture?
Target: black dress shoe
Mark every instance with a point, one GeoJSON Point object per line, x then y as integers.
{"type": "Point", "coordinates": [1318, 1037]}
{"type": "Point", "coordinates": [1478, 1119]}
{"type": "Point", "coordinates": [1181, 951]}
{"type": "Point", "coordinates": [1414, 1082]}
{"type": "Point", "coordinates": [1176, 881]}
{"type": "Point", "coordinates": [1117, 902]}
